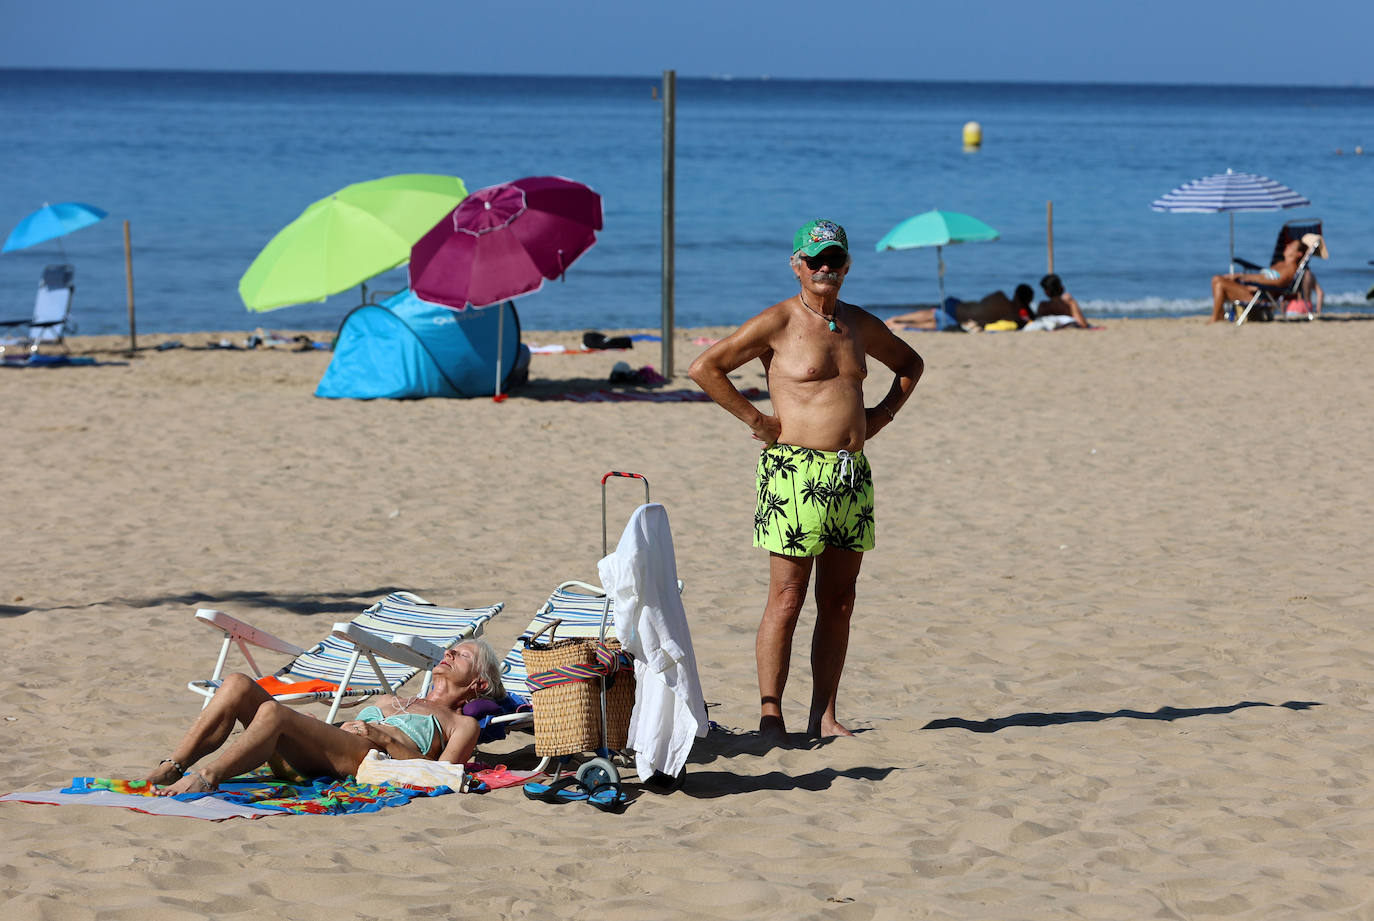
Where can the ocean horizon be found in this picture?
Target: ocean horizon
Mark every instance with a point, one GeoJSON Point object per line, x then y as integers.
{"type": "Point", "coordinates": [208, 165]}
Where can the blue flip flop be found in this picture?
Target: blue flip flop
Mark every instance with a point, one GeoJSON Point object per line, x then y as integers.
{"type": "Point", "coordinates": [565, 790]}
{"type": "Point", "coordinates": [608, 797]}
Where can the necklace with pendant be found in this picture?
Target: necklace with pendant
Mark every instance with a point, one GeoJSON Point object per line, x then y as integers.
{"type": "Point", "coordinates": [830, 319]}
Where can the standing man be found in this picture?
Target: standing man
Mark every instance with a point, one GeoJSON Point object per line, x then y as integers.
{"type": "Point", "coordinates": [815, 489]}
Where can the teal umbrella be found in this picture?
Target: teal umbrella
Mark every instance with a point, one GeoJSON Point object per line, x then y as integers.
{"type": "Point", "coordinates": [938, 229]}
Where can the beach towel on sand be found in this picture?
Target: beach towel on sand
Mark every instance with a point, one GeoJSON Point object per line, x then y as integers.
{"type": "Point", "coordinates": [250, 796]}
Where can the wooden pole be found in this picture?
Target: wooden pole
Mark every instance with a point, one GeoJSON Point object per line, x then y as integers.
{"type": "Point", "coordinates": [669, 143]}
{"type": "Point", "coordinates": [1049, 232]}
{"type": "Point", "coordinates": [129, 280]}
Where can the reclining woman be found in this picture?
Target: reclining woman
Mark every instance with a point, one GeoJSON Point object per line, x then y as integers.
{"type": "Point", "coordinates": [432, 727]}
{"type": "Point", "coordinates": [1237, 286]}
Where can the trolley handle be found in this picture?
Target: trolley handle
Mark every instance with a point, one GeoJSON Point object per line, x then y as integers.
{"type": "Point", "coordinates": [634, 476]}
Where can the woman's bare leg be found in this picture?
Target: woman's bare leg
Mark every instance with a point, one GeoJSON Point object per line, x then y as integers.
{"type": "Point", "coordinates": [275, 730]}
{"type": "Point", "coordinates": [236, 701]}
{"type": "Point", "coordinates": [1223, 290]}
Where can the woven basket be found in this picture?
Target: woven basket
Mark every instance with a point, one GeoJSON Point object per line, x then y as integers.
{"type": "Point", "coordinates": [567, 717]}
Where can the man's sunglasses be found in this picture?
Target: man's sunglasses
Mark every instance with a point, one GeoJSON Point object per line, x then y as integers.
{"type": "Point", "coordinates": [832, 257]}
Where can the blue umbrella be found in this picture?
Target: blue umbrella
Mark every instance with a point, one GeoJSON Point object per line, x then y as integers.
{"type": "Point", "coordinates": [50, 222]}
{"type": "Point", "coordinates": [1229, 192]}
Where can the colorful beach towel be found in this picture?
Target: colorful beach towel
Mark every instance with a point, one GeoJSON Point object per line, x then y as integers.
{"type": "Point", "coordinates": [249, 796]}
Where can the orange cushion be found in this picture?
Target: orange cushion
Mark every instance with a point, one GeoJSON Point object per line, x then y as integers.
{"type": "Point", "coordinates": [274, 686]}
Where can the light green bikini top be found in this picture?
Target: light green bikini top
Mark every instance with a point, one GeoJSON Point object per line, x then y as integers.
{"type": "Point", "coordinates": [419, 727]}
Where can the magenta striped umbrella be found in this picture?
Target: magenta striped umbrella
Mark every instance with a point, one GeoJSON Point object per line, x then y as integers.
{"type": "Point", "coordinates": [504, 240]}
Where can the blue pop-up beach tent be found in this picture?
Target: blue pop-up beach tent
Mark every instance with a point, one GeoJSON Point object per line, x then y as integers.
{"type": "Point", "coordinates": [406, 347]}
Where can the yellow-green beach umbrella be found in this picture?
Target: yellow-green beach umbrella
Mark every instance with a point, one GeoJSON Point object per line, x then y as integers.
{"type": "Point", "coordinates": [360, 231]}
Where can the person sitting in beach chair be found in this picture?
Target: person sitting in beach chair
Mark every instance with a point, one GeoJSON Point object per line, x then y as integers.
{"type": "Point", "coordinates": [1308, 298]}
{"type": "Point", "coordinates": [434, 727]}
{"type": "Point", "coordinates": [1273, 284]}
{"type": "Point", "coordinates": [972, 314]}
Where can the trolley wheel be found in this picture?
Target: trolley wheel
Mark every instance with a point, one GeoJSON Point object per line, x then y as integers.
{"type": "Point", "coordinates": [598, 771]}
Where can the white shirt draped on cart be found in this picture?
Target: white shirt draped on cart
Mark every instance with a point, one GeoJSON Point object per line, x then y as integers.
{"type": "Point", "coordinates": [641, 579]}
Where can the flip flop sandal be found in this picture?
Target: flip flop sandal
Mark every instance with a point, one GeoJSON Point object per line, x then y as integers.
{"type": "Point", "coordinates": [608, 797]}
{"type": "Point", "coordinates": [565, 790]}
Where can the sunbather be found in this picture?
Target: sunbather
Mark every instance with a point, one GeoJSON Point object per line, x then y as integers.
{"type": "Point", "coordinates": [992, 308]}
{"type": "Point", "coordinates": [1061, 303]}
{"type": "Point", "coordinates": [432, 727]}
{"type": "Point", "coordinates": [1239, 286]}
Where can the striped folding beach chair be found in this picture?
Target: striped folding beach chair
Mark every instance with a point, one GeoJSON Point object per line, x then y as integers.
{"type": "Point", "coordinates": [375, 653]}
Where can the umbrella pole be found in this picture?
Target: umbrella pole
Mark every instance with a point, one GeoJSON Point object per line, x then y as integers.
{"type": "Point", "coordinates": [1232, 216]}
{"type": "Point", "coordinates": [500, 345]}
{"type": "Point", "coordinates": [940, 260]}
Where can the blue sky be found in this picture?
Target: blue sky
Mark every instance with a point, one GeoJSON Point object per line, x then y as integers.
{"type": "Point", "coordinates": [1160, 41]}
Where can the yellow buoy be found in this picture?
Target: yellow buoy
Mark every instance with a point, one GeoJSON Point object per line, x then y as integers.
{"type": "Point", "coordinates": [973, 136]}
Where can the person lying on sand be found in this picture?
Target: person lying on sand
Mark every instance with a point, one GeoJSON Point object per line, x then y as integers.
{"type": "Point", "coordinates": [432, 727]}
{"type": "Point", "coordinates": [1061, 303]}
{"type": "Point", "coordinates": [995, 306]}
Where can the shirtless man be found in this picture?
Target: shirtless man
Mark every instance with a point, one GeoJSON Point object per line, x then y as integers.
{"type": "Point", "coordinates": [1235, 286]}
{"type": "Point", "coordinates": [815, 488]}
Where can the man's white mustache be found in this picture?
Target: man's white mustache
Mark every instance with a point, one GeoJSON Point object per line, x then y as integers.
{"type": "Point", "coordinates": [825, 276]}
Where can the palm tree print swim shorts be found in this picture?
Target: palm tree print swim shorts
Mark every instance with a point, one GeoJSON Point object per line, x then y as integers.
{"type": "Point", "coordinates": [810, 500]}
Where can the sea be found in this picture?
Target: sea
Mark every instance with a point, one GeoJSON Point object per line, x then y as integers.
{"type": "Point", "coordinates": [207, 167]}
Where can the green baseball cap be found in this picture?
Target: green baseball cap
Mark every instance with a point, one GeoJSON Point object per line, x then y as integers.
{"type": "Point", "coordinates": [816, 235]}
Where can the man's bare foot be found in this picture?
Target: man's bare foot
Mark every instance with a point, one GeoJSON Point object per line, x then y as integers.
{"type": "Point", "coordinates": [828, 729]}
{"type": "Point", "coordinates": [773, 731]}
{"type": "Point", "coordinates": [167, 771]}
{"type": "Point", "coordinates": [193, 782]}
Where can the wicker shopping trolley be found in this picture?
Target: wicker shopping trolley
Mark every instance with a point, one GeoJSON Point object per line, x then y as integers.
{"type": "Point", "coordinates": [580, 681]}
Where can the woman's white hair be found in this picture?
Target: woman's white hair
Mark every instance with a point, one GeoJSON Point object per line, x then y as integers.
{"type": "Point", "coordinates": [488, 667]}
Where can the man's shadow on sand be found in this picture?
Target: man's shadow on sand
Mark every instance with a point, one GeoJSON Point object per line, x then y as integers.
{"type": "Point", "coordinates": [711, 784]}
{"type": "Point", "coordinates": [1095, 716]}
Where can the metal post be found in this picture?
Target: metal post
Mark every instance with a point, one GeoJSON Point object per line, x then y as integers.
{"type": "Point", "coordinates": [669, 142]}
{"type": "Point", "coordinates": [129, 280]}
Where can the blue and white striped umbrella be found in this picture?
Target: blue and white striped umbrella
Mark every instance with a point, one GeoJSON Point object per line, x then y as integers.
{"type": "Point", "coordinates": [1229, 192]}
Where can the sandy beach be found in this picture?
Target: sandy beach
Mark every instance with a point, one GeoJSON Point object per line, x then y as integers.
{"type": "Point", "coordinates": [1111, 655]}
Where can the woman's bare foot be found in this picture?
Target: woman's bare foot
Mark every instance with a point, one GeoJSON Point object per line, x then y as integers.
{"type": "Point", "coordinates": [193, 782]}
{"type": "Point", "coordinates": [167, 771]}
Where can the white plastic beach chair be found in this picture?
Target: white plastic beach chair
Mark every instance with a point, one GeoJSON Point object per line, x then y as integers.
{"type": "Point", "coordinates": [51, 320]}
{"type": "Point", "coordinates": [393, 641]}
